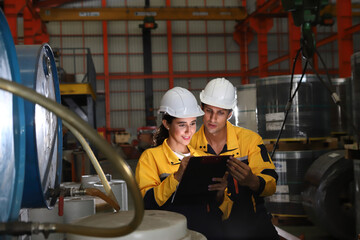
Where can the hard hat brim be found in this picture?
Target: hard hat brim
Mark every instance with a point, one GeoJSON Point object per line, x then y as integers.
{"type": "Point", "coordinates": [210, 102]}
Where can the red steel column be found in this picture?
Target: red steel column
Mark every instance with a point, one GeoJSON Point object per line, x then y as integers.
{"type": "Point", "coordinates": [294, 44]}
{"type": "Point", "coordinates": [106, 71]}
{"type": "Point", "coordinates": [262, 27]}
{"type": "Point", "coordinates": [345, 42]}
{"type": "Point", "coordinates": [243, 37]}
{"type": "Point", "coordinates": [170, 50]}
{"type": "Point", "coordinates": [11, 9]}
{"type": "Point", "coordinates": [34, 29]}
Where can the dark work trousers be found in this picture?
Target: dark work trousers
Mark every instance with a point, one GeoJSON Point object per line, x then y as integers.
{"type": "Point", "coordinates": [246, 220]}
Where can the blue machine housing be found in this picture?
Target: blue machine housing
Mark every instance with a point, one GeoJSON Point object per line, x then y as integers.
{"type": "Point", "coordinates": [11, 178]}
{"type": "Point", "coordinates": [43, 128]}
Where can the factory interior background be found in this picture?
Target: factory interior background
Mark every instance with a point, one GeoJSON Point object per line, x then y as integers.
{"type": "Point", "coordinates": [113, 60]}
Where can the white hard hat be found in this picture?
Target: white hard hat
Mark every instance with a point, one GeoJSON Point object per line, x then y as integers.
{"type": "Point", "coordinates": [219, 92]}
{"type": "Point", "coordinates": [179, 102]}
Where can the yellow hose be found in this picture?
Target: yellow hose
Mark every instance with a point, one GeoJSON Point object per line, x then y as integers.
{"type": "Point", "coordinates": [110, 153]}
{"type": "Point", "coordinates": [95, 163]}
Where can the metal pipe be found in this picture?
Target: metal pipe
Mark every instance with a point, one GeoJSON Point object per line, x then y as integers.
{"type": "Point", "coordinates": [103, 146]}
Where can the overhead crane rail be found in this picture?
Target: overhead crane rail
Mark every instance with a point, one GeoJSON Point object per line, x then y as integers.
{"type": "Point", "coordinates": [162, 13]}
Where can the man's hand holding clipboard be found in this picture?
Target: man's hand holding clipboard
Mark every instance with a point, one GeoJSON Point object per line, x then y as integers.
{"type": "Point", "coordinates": [241, 172]}
{"type": "Point", "coordinates": [204, 179]}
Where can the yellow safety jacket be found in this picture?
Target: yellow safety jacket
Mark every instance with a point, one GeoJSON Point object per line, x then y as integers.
{"type": "Point", "coordinates": [155, 175]}
{"type": "Point", "coordinates": [248, 146]}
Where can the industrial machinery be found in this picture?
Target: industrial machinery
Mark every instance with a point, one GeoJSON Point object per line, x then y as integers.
{"type": "Point", "coordinates": [306, 14]}
{"type": "Point", "coordinates": [145, 137]}
{"type": "Point", "coordinates": [44, 141]}
{"type": "Point", "coordinates": [44, 155]}
{"type": "Point", "coordinates": [12, 151]}
{"type": "Point", "coordinates": [13, 157]}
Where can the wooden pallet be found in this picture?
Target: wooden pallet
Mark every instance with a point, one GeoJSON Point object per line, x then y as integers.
{"type": "Point", "coordinates": [290, 220]}
{"type": "Point", "coordinates": [302, 144]}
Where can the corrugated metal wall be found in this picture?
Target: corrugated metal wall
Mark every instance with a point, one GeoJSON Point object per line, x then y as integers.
{"type": "Point", "coordinates": [198, 47]}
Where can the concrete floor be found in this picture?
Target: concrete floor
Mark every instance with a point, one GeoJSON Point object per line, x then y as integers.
{"type": "Point", "coordinates": [310, 232]}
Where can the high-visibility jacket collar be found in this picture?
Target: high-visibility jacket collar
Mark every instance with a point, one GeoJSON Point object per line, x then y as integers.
{"type": "Point", "coordinates": [171, 156]}
{"type": "Point", "coordinates": [231, 138]}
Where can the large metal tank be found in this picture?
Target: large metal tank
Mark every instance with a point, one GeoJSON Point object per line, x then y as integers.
{"type": "Point", "coordinates": [328, 197]}
{"type": "Point", "coordinates": [156, 224]}
{"type": "Point", "coordinates": [291, 167]}
{"type": "Point", "coordinates": [12, 134]}
{"type": "Point", "coordinates": [246, 103]}
{"type": "Point", "coordinates": [340, 124]}
{"type": "Point", "coordinates": [309, 116]}
{"type": "Point", "coordinates": [43, 128]}
{"type": "Point", "coordinates": [355, 86]}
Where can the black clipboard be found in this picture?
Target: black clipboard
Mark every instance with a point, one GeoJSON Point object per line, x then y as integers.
{"type": "Point", "coordinates": [193, 187]}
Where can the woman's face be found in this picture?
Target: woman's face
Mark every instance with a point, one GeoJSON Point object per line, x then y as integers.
{"type": "Point", "coordinates": [180, 132]}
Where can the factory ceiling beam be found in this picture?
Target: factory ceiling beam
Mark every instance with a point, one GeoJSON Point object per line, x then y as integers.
{"type": "Point", "coordinates": [51, 3]}
{"type": "Point", "coordinates": [163, 13]}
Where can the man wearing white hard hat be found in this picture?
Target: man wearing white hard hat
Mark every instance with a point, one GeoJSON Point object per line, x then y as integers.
{"type": "Point", "coordinates": [160, 169]}
{"type": "Point", "coordinates": [253, 175]}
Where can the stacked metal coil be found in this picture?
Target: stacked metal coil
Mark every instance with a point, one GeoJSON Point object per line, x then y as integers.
{"type": "Point", "coordinates": [328, 197]}
{"type": "Point", "coordinates": [340, 123]}
{"type": "Point", "coordinates": [355, 86]}
{"type": "Point", "coordinates": [291, 167]}
{"type": "Point", "coordinates": [309, 116]}
{"type": "Point", "coordinates": [246, 114]}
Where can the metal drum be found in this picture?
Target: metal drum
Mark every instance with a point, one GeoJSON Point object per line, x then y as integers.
{"type": "Point", "coordinates": [43, 128]}
{"type": "Point", "coordinates": [339, 122]}
{"type": "Point", "coordinates": [291, 166]}
{"type": "Point", "coordinates": [309, 116]}
{"type": "Point", "coordinates": [246, 114]}
{"type": "Point", "coordinates": [118, 187]}
{"type": "Point", "coordinates": [120, 191]}
{"type": "Point", "coordinates": [355, 86]}
{"type": "Point", "coordinates": [76, 208]}
{"type": "Point", "coordinates": [329, 194]}
{"type": "Point", "coordinates": [156, 224]}
{"type": "Point", "coordinates": [12, 131]}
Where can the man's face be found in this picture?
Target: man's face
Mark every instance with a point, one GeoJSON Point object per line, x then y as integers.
{"type": "Point", "coordinates": [215, 118]}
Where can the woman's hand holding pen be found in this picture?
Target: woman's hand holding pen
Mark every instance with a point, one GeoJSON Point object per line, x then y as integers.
{"type": "Point", "coordinates": [220, 187]}
{"type": "Point", "coordinates": [243, 174]}
{"type": "Point", "coordinates": [184, 162]}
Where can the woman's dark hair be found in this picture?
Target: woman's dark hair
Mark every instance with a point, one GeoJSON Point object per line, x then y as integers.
{"type": "Point", "coordinates": [162, 133]}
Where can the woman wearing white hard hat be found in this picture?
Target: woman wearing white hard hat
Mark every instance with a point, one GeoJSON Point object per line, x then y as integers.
{"type": "Point", "coordinates": [252, 171]}
{"type": "Point", "coordinates": [160, 169]}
